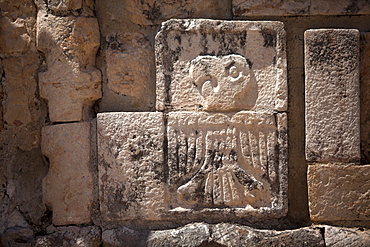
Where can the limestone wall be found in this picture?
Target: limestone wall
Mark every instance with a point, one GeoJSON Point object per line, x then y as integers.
{"type": "Point", "coordinates": [184, 123]}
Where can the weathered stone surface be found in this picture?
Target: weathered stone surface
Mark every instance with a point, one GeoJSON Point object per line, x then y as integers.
{"type": "Point", "coordinates": [71, 82]}
{"type": "Point", "coordinates": [332, 95]}
{"type": "Point", "coordinates": [127, 64]}
{"type": "Point", "coordinates": [57, 5]}
{"type": "Point", "coordinates": [18, 237]}
{"type": "Point", "coordinates": [68, 186]}
{"type": "Point", "coordinates": [14, 36]}
{"type": "Point", "coordinates": [224, 234]}
{"type": "Point", "coordinates": [72, 236]}
{"type": "Point", "coordinates": [131, 171]}
{"type": "Point", "coordinates": [221, 65]}
{"type": "Point", "coordinates": [294, 7]}
{"type": "Point", "coordinates": [20, 87]}
{"type": "Point", "coordinates": [236, 235]}
{"type": "Point", "coordinates": [339, 192]}
{"type": "Point", "coordinates": [216, 161]}
{"type": "Point", "coordinates": [338, 237]}
{"type": "Point", "coordinates": [365, 96]}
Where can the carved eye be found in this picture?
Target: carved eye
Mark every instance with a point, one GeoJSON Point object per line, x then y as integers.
{"type": "Point", "coordinates": [233, 71]}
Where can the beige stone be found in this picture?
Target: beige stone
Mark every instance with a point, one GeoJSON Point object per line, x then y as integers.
{"type": "Point", "coordinates": [127, 61]}
{"type": "Point", "coordinates": [332, 95]}
{"type": "Point", "coordinates": [57, 5]}
{"type": "Point", "coordinates": [338, 237]}
{"type": "Point", "coordinates": [20, 86]}
{"type": "Point", "coordinates": [131, 169]}
{"type": "Point", "coordinates": [14, 36]}
{"type": "Point", "coordinates": [339, 192]}
{"type": "Point", "coordinates": [221, 164]}
{"type": "Point", "coordinates": [70, 82]}
{"type": "Point", "coordinates": [217, 160]}
{"type": "Point", "coordinates": [221, 65]}
{"type": "Point", "coordinates": [294, 7]}
{"type": "Point", "coordinates": [68, 186]}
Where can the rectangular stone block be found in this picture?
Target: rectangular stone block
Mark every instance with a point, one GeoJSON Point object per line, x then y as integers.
{"type": "Point", "coordinates": [131, 171]}
{"type": "Point", "coordinates": [221, 65]}
{"type": "Point", "coordinates": [156, 167]}
{"type": "Point", "coordinates": [294, 7]}
{"type": "Point", "coordinates": [339, 192]}
{"type": "Point", "coordinates": [332, 95]}
{"type": "Point", "coordinates": [68, 187]}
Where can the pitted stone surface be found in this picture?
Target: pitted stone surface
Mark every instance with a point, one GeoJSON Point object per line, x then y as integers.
{"type": "Point", "coordinates": [338, 192]}
{"type": "Point", "coordinates": [294, 7]}
{"type": "Point", "coordinates": [69, 80]}
{"type": "Point", "coordinates": [72, 236]}
{"type": "Point", "coordinates": [131, 171]}
{"type": "Point", "coordinates": [154, 167]}
{"type": "Point", "coordinates": [332, 95]}
{"type": "Point", "coordinates": [201, 62]}
{"type": "Point", "coordinates": [218, 160]}
{"type": "Point", "coordinates": [349, 237]}
{"type": "Point", "coordinates": [68, 186]}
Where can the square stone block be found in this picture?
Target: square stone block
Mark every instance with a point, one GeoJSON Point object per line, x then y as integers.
{"type": "Point", "coordinates": [216, 65]}
{"type": "Point", "coordinates": [156, 166]}
{"type": "Point", "coordinates": [332, 95]}
{"type": "Point", "coordinates": [339, 192]}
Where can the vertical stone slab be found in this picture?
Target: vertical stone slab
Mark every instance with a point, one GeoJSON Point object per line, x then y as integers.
{"type": "Point", "coordinates": [69, 80]}
{"type": "Point", "coordinates": [339, 193]}
{"type": "Point", "coordinates": [131, 168]}
{"type": "Point", "coordinates": [221, 65]}
{"type": "Point", "coordinates": [68, 186]}
{"type": "Point", "coordinates": [332, 95]}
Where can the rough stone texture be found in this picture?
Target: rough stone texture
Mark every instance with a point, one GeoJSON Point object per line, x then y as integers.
{"type": "Point", "coordinates": [365, 96]}
{"type": "Point", "coordinates": [332, 95]}
{"type": "Point", "coordinates": [131, 171]}
{"type": "Point", "coordinates": [14, 36]}
{"type": "Point", "coordinates": [294, 7]}
{"type": "Point", "coordinates": [72, 236]}
{"type": "Point", "coordinates": [216, 161]}
{"type": "Point", "coordinates": [202, 234]}
{"type": "Point", "coordinates": [339, 192]}
{"type": "Point", "coordinates": [219, 164]}
{"type": "Point", "coordinates": [338, 237]}
{"type": "Point", "coordinates": [201, 62]}
{"type": "Point", "coordinates": [18, 237]}
{"type": "Point", "coordinates": [68, 186]}
{"type": "Point", "coordinates": [21, 88]}
{"type": "Point", "coordinates": [69, 82]}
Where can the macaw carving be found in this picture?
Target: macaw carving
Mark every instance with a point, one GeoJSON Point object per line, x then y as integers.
{"type": "Point", "coordinates": [223, 81]}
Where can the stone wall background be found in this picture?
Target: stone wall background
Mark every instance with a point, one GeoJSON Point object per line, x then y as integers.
{"type": "Point", "coordinates": [123, 79]}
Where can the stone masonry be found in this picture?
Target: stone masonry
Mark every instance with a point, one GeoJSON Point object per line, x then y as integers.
{"type": "Point", "coordinates": [184, 123]}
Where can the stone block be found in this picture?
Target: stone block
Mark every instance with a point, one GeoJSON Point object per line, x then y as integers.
{"type": "Point", "coordinates": [332, 95]}
{"type": "Point", "coordinates": [69, 82]}
{"type": "Point", "coordinates": [221, 65]}
{"type": "Point", "coordinates": [194, 164]}
{"type": "Point", "coordinates": [18, 237]}
{"type": "Point", "coordinates": [14, 36]}
{"type": "Point", "coordinates": [338, 237]}
{"type": "Point", "coordinates": [127, 61]}
{"type": "Point", "coordinates": [68, 187]}
{"type": "Point", "coordinates": [72, 236]}
{"type": "Point", "coordinates": [59, 5]}
{"type": "Point", "coordinates": [339, 192]}
{"type": "Point", "coordinates": [20, 86]}
{"type": "Point", "coordinates": [131, 170]}
{"type": "Point", "coordinates": [294, 7]}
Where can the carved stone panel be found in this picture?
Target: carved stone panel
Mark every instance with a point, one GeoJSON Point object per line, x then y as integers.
{"type": "Point", "coordinates": [156, 167]}
{"type": "Point", "coordinates": [221, 65]}
{"type": "Point", "coordinates": [222, 162]}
